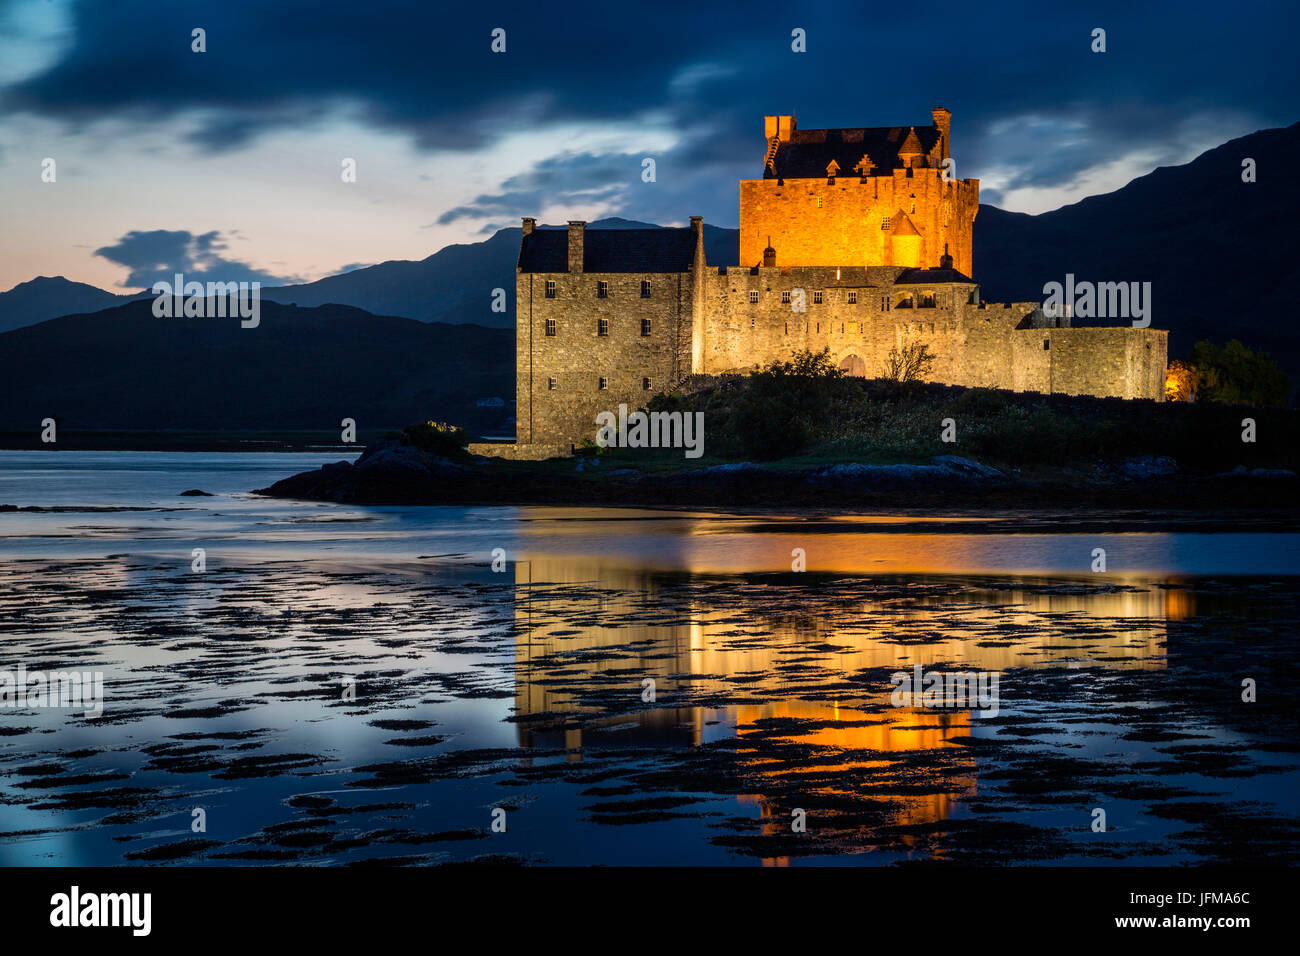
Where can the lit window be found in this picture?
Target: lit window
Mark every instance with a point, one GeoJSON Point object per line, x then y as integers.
{"type": "Point", "coordinates": [819, 202]}
{"type": "Point", "coordinates": [884, 223]}
{"type": "Point", "coordinates": [853, 298]}
{"type": "Point", "coordinates": [645, 288]}
{"type": "Point", "coordinates": [550, 288]}
{"type": "Point", "coordinates": [753, 298]}
{"type": "Point", "coordinates": [604, 382]}
{"type": "Point", "coordinates": [602, 326]}
{"type": "Point", "coordinates": [817, 297]}
{"type": "Point", "coordinates": [551, 383]}
{"type": "Point", "coordinates": [645, 326]}
{"type": "Point", "coordinates": [550, 326]}
{"type": "Point", "coordinates": [602, 290]}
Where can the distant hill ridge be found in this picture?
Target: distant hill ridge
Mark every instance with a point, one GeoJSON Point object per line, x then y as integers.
{"type": "Point", "coordinates": [124, 368]}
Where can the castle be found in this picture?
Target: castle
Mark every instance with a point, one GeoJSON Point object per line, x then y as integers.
{"type": "Point", "coordinates": [856, 240]}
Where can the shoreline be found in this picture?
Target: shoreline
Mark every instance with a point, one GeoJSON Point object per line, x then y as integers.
{"type": "Point", "coordinates": [947, 487]}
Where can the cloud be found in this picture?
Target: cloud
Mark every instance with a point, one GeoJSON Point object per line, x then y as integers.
{"type": "Point", "coordinates": [1037, 115]}
{"type": "Point", "coordinates": [161, 253]}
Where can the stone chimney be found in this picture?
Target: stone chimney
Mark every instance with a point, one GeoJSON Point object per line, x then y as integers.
{"type": "Point", "coordinates": [942, 122]}
{"type": "Point", "coordinates": [529, 224]}
{"type": "Point", "coordinates": [780, 127]}
{"type": "Point", "coordinates": [577, 228]}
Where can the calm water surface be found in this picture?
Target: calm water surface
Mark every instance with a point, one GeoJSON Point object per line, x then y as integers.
{"type": "Point", "coordinates": [527, 688]}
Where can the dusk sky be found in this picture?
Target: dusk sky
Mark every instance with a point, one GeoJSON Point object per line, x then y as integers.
{"type": "Point", "coordinates": [227, 163]}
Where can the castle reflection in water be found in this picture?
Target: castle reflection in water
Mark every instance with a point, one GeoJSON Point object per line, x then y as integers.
{"type": "Point", "coordinates": [788, 660]}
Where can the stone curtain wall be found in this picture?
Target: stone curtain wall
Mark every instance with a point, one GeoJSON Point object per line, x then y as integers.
{"type": "Point", "coordinates": [845, 229]}
{"type": "Point", "coordinates": [974, 345]}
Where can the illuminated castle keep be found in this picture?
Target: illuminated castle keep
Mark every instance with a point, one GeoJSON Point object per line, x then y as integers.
{"type": "Point", "coordinates": [856, 240]}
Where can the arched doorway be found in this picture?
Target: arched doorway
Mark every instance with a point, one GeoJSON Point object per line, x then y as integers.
{"type": "Point", "coordinates": [853, 365]}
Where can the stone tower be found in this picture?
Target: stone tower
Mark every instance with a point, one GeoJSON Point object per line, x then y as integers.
{"type": "Point", "coordinates": [875, 196]}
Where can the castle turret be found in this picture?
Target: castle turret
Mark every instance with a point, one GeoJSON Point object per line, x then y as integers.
{"type": "Point", "coordinates": [942, 122]}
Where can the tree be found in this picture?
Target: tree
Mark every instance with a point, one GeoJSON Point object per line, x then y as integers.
{"type": "Point", "coordinates": [911, 363]}
{"type": "Point", "coordinates": [1235, 374]}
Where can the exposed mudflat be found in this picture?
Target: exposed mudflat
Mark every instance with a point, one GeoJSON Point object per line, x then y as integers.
{"type": "Point", "coordinates": [228, 691]}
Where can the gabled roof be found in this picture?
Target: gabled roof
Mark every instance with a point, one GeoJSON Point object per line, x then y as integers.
{"type": "Point", "coordinates": [809, 151]}
{"type": "Point", "coordinates": [903, 226]}
{"type": "Point", "coordinates": [931, 277]}
{"type": "Point", "coordinates": [610, 250]}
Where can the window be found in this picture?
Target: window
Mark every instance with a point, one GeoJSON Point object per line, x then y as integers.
{"type": "Point", "coordinates": [550, 326]}
{"type": "Point", "coordinates": [819, 202]}
{"type": "Point", "coordinates": [551, 383]}
{"type": "Point", "coordinates": [753, 298]}
{"type": "Point", "coordinates": [785, 297]}
{"type": "Point", "coordinates": [550, 288]}
{"type": "Point", "coordinates": [645, 326]}
{"type": "Point", "coordinates": [645, 384]}
{"type": "Point", "coordinates": [817, 297]}
{"type": "Point", "coordinates": [604, 382]}
{"type": "Point", "coordinates": [602, 289]}
{"type": "Point", "coordinates": [645, 288]}
{"type": "Point", "coordinates": [602, 326]}
{"type": "Point", "coordinates": [1047, 344]}
{"type": "Point", "coordinates": [853, 298]}
{"type": "Point", "coordinates": [884, 223]}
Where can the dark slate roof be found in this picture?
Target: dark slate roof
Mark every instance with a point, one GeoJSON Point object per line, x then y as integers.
{"type": "Point", "coordinates": [610, 250]}
{"type": "Point", "coordinates": [810, 151]}
{"type": "Point", "coordinates": [931, 276]}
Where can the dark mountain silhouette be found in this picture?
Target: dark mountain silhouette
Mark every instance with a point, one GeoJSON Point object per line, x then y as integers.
{"type": "Point", "coordinates": [1212, 246]}
{"type": "Point", "coordinates": [300, 368]}
{"type": "Point", "coordinates": [48, 297]}
{"type": "Point", "coordinates": [455, 283]}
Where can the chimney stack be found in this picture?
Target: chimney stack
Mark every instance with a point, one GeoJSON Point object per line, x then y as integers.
{"type": "Point", "coordinates": [529, 224]}
{"type": "Point", "coordinates": [942, 121]}
{"type": "Point", "coordinates": [577, 228]}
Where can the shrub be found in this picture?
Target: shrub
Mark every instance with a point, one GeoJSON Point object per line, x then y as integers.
{"type": "Point", "coordinates": [438, 438]}
{"type": "Point", "coordinates": [1235, 374]}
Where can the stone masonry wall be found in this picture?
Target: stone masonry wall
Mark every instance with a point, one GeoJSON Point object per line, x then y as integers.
{"type": "Point", "coordinates": [578, 357]}
{"type": "Point", "coordinates": [813, 222]}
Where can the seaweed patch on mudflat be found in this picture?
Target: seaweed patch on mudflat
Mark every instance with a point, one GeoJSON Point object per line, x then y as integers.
{"type": "Point", "coordinates": [381, 715]}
